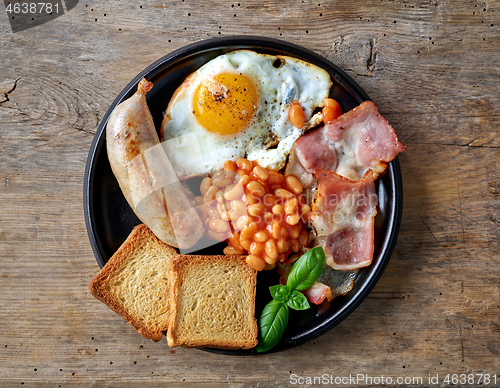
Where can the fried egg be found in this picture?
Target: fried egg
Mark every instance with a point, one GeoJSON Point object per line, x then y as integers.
{"type": "Point", "coordinates": [235, 106]}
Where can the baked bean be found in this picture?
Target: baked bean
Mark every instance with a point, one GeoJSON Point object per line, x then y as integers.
{"type": "Point", "coordinates": [291, 206]}
{"type": "Point", "coordinates": [283, 194]}
{"type": "Point", "coordinates": [284, 232]}
{"type": "Point", "coordinates": [256, 248]}
{"type": "Point", "coordinates": [220, 208]}
{"type": "Point", "coordinates": [208, 196]}
{"type": "Point", "coordinates": [305, 209]}
{"type": "Point", "coordinates": [256, 209]}
{"type": "Point", "coordinates": [275, 178]}
{"type": "Point", "coordinates": [219, 196]}
{"type": "Point", "coordinates": [303, 238]}
{"type": "Point", "coordinates": [245, 243]}
{"type": "Point", "coordinates": [292, 219]}
{"type": "Point", "coordinates": [241, 172]}
{"type": "Point", "coordinates": [261, 173]}
{"type": "Point", "coordinates": [205, 185]}
{"type": "Point", "coordinates": [212, 212]}
{"type": "Point", "coordinates": [244, 179]}
{"type": "Point", "coordinates": [198, 201]}
{"type": "Point", "coordinates": [281, 245]}
{"type": "Point", "coordinates": [244, 164]}
{"type": "Point", "coordinates": [271, 250]}
{"type": "Point", "coordinates": [231, 174]}
{"type": "Point", "coordinates": [221, 181]}
{"type": "Point", "coordinates": [295, 246]}
{"type": "Point", "coordinates": [249, 230]}
{"type": "Point", "coordinates": [256, 189]}
{"type": "Point", "coordinates": [268, 260]}
{"type": "Point", "coordinates": [293, 184]}
{"type": "Point", "coordinates": [229, 165]}
{"type": "Point", "coordinates": [218, 226]}
{"type": "Point", "coordinates": [251, 199]}
{"type": "Point", "coordinates": [269, 200]}
{"type": "Point", "coordinates": [227, 188]}
{"type": "Point", "coordinates": [268, 217]}
{"type": "Point", "coordinates": [255, 262]}
{"type": "Point", "coordinates": [331, 110]}
{"type": "Point", "coordinates": [229, 216]}
{"type": "Point", "coordinates": [234, 191]}
{"type": "Point", "coordinates": [294, 232]}
{"type": "Point", "coordinates": [242, 222]}
{"type": "Point", "coordinates": [239, 207]}
{"type": "Point", "coordinates": [278, 209]}
{"type": "Point", "coordinates": [296, 115]}
{"type": "Point", "coordinates": [261, 236]}
{"type": "Point", "coordinates": [234, 240]}
{"type": "Point", "coordinates": [276, 231]}
{"type": "Point", "coordinates": [230, 250]}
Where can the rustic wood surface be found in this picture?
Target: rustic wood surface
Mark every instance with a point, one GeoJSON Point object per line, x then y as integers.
{"type": "Point", "coordinates": [432, 67]}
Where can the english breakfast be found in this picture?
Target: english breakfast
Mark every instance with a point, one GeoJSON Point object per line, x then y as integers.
{"type": "Point", "coordinates": [280, 170]}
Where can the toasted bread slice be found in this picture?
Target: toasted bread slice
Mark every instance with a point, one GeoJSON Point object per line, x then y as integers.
{"type": "Point", "coordinates": [212, 302]}
{"type": "Point", "coordinates": [135, 282]}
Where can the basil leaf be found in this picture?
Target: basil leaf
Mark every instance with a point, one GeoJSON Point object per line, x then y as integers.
{"type": "Point", "coordinates": [297, 301]}
{"type": "Point", "coordinates": [307, 269]}
{"type": "Point", "coordinates": [272, 324]}
{"type": "Point", "coordinates": [280, 292]}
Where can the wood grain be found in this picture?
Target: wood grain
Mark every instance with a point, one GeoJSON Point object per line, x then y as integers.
{"type": "Point", "coordinates": [432, 69]}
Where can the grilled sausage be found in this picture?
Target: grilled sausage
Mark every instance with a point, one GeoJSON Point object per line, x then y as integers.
{"type": "Point", "coordinates": [146, 176]}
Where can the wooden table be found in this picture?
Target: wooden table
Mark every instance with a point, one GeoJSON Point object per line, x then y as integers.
{"type": "Point", "coordinates": [432, 67]}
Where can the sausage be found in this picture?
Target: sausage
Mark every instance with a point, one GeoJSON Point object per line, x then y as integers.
{"type": "Point", "coordinates": [146, 176]}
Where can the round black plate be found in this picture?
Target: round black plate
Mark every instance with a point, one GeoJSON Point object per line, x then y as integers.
{"type": "Point", "coordinates": [109, 219]}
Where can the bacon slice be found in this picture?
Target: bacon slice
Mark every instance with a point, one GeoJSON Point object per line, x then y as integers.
{"type": "Point", "coordinates": [359, 140]}
{"type": "Point", "coordinates": [343, 215]}
{"type": "Point", "coordinates": [317, 293]}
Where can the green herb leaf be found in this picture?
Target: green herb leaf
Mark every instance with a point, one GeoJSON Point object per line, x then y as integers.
{"type": "Point", "coordinates": [272, 324]}
{"type": "Point", "coordinates": [280, 292]}
{"type": "Point", "coordinates": [297, 301]}
{"type": "Point", "coordinates": [307, 269]}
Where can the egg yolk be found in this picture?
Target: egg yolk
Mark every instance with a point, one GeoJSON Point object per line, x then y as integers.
{"type": "Point", "coordinates": [226, 103]}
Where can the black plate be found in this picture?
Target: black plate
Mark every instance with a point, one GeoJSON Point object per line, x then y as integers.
{"type": "Point", "coordinates": [109, 219]}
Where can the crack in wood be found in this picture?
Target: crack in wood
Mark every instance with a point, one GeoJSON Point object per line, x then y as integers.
{"type": "Point", "coordinates": [371, 62]}
{"type": "Point", "coordinates": [6, 94]}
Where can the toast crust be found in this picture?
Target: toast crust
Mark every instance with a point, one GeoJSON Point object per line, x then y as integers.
{"type": "Point", "coordinates": [241, 280]}
{"type": "Point", "coordinates": [104, 287]}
